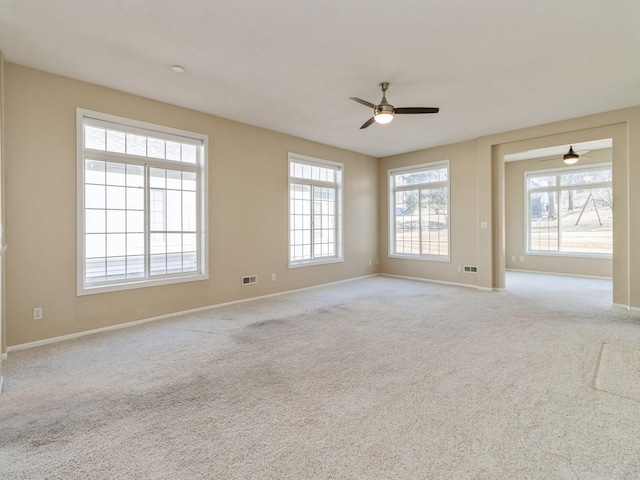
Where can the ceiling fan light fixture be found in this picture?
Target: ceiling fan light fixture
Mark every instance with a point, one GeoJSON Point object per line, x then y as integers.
{"type": "Point", "coordinates": [570, 157]}
{"type": "Point", "coordinates": [383, 118]}
{"type": "Point", "coordinates": [384, 111]}
{"type": "Point", "coordinates": [383, 114]}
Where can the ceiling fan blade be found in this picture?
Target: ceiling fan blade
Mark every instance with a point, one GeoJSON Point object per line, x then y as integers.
{"type": "Point", "coordinates": [404, 110]}
{"type": "Point", "coordinates": [363, 102]}
{"type": "Point", "coordinates": [582, 152]}
{"type": "Point", "coordinates": [367, 123]}
{"type": "Point", "coordinates": [559, 158]}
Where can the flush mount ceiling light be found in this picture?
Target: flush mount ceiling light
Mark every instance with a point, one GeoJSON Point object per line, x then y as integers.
{"type": "Point", "coordinates": [384, 111]}
{"type": "Point", "coordinates": [177, 68]}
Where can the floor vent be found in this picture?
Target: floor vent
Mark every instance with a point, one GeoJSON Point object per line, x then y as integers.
{"type": "Point", "coordinates": [248, 280]}
{"type": "Point", "coordinates": [470, 269]}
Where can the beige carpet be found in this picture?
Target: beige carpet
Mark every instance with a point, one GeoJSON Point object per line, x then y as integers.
{"type": "Point", "coordinates": [379, 378]}
{"type": "Point", "coordinates": [619, 371]}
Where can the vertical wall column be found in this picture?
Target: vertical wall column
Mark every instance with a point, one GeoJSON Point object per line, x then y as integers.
{"type": "Point", "coordinates": [3, 345]}
{"type": "Point", "coordinates": [486, 250]}
{"type": "Point", "coordinates": [626, 226]}
{"type": "Point", "coordinates": [633, 165]}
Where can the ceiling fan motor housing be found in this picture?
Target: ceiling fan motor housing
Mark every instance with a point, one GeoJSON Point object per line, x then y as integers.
{"type": "Point", "coordinates": [383, 108]}
{"type": "Point", "coordinates": [570, 157]}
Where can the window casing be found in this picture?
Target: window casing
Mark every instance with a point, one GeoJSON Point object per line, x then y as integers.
{"type": "Point", "coordinates": [419, 212]}
{"type": "Point", "coordinates": [315, 211]}
{"type": "Point", "coordinates": [569, 211]}
{"type": "Point", "coordinates": [141, 204]}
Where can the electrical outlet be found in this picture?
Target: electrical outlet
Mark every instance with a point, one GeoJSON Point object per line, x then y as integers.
{"type": "Point", "coordinates": [273, 277]}
{"type": "Point", "coordinates": [522, 259]}
{"type": "Point", "coordinates": [37, 313]}
{"type": "Point", "coordinates": [513, 258]}
{"type": "Point", "coordinates": [459, 269]}
{"type": "Point", "coordinates": [370, 262]}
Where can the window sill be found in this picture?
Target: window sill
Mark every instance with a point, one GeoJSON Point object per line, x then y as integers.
{"type": "Point", "coordinates": [571, 254]}
{"type": "Point", "coordinates": [316, 262]}
{"type": "Point", "coordinates": [140, 284]}
{"type": "Point", "coordinates": [429, 258]}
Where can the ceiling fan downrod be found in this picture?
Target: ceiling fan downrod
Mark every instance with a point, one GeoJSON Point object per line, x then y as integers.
{"type": "Point", "coordinates": [383, 113]}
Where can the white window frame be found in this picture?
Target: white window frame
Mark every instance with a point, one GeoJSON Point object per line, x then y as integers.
{"type": "Point", "coordinates": [338, 185]}
{"type": "Point", "coordinates": [84, 116]}
{"type": "Point", "coordinates": [559, 188]}
{"type": "Point", "coordinates": [392, 207]}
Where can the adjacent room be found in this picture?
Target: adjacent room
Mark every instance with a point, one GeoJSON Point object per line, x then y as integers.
{"type": "Point", "coordinates": [293, 240]}
{"type": "Point", "coordinates": [562, 219]}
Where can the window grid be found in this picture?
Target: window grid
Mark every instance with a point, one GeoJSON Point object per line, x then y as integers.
{"type": "Point", "coordinates": [301, 223]}
{"type": "Point", "coordinates": [140, 207]}
{"type": "Point", "coordinates": [314, 230]}
{"type": "Point", "coordinates": [114, 221]}
{"type": "Point", "coordinates": [419, 207]}
{"type": "Point", "coordinates": [324, 214]}
{"type": "Point", "coordinates": [570, 211]}
{"type": "Point", "coordinates": [173, 226]}
{"type": "Point", "coordinates": [110, 140]}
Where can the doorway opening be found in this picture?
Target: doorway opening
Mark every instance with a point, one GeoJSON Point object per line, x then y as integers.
{"type": "Point", "coordinates": [558, 210]}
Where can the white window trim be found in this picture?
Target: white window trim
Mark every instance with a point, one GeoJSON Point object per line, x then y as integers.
{"type": "Point", "coordinates": [98, 118]}
{"type": "Point", "coordinates": [527, 208]}
{"type": "Point", "coordinates": [391, 201]}
{"type": "Point", "coordinates": [297, 158]}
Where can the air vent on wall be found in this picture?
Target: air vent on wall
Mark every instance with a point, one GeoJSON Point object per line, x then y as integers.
{"type": "Point", "coordinates": [470, 269]}
{"type": "Point", "coordinates": [248, 280]}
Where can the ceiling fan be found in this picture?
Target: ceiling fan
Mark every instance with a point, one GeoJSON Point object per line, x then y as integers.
{"type": "Point", "coordinates": [571, 157]}
{"type": "Point", "coordinates": [384, 111]}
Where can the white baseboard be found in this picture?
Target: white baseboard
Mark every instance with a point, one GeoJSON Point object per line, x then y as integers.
{"type": "Point", "coordinates": [133, 323]}
{"type": "Point", "coordinates": [429, 280]}
{"type": "Point", "coordinates": [620, 305]}
{"type": "Point", "coordinates": [626, 307]}
{"type": "Point", "coordinates": [597, 277]}
{"type": "Point", "coordinates": [62, 338]}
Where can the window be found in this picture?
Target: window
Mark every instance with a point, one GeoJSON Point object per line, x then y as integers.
{"type": "Point", "coordinates": [315, 211]}
{"type": "Point", "coordinates": [570, 211]}
{"type": "Point", "coordinates": [419, 211]}
{"type": "Point", "coordinates": [141, 204]}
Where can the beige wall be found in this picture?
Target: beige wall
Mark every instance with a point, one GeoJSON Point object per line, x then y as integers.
{"type": "Point", "coordinates": [515, 237]}
{"type": "Point", "coordinates": [247, 210]}
{"type": "Point", "coordinates": [463, 214]}
{"type": "Point", "coordinates": [251, 237]}
{"type": "Point", "coordinates": [478, 195]}
{"type": "Point", "coordinates": [623, 126]}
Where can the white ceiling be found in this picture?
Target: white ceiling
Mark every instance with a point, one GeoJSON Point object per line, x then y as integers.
{"type": "Point", "coordinates": [290, 65]}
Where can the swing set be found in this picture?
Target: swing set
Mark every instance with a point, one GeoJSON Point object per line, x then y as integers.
{"type": "Point", "coordinates": [584, 207]}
